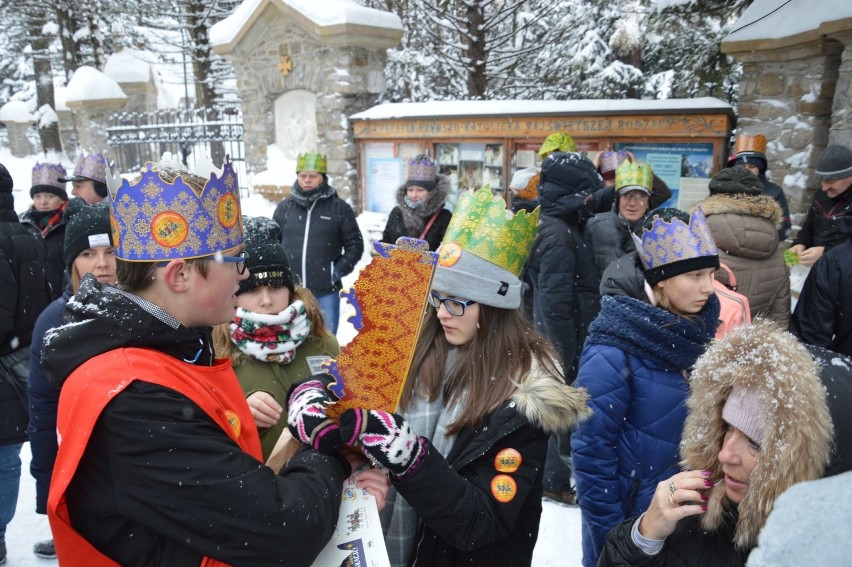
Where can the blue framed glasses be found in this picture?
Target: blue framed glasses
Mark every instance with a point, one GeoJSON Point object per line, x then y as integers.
{"type": "Point", "coordinates": [454, 307]}
{"type": "Point", "coordinates": [239, 260]}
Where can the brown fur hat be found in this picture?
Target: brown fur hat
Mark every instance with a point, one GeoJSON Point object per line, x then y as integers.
{"type": "Point", "coordinates": [798, 429]}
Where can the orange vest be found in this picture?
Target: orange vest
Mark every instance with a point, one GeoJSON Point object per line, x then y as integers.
{"type": "Point", "coordinates": [94, 384]}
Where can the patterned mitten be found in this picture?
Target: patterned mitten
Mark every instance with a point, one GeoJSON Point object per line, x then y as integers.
{"type": "Point", "coordinates": [306, 417]}
{"type": "Point", "coordinates": [385, 438]}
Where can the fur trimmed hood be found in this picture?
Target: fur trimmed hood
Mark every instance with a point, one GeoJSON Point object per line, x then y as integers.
{"type": "Point", "coordinates": [415, 219]}
{"type": "Point", "coordinates": [760, 206]}
{"type": "Point", "coordinates": [798, 428]}
{"type": "Point", "coordinates": [550, 404]}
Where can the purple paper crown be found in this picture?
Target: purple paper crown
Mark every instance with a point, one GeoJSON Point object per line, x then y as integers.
{"type": "Point", "coordinates": [611, 160]}
{"type": "Point", "coordinates": [92, 166]}
{"type": "Point", "coordinates": [154, 220]}
{"type": "Point", "coordinates": [672, 241]}
{"type": "Point", "coordinates": [421, 168]}
{"type": "Point", "coordinates": [48, 174]}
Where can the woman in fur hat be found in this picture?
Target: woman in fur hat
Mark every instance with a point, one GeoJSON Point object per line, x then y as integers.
{"type": "Point", "coordinates": [758, 423]}
{"type": "Point", "coordinates": [635, 364]}
{"type": "Point", "coordinates": [467, 449]}
{"type": "Point", "coordinates": [744, 224]}
{"type": "Point", "coordinates": [420, 211]}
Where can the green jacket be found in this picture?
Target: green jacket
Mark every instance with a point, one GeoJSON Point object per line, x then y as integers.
{"type": "Point", "coordinates": [276, 379]}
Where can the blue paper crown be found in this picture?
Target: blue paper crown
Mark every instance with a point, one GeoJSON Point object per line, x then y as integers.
{"type": "Point", "coordinates": [154, 220]}
{"type": "Point", "coordinates": [672, 241]}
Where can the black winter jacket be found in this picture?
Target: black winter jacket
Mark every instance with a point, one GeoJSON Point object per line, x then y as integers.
{"type": "Point", "coordinates": [772, 190]}
{"type": "Point", "coordinates": [824, 219]}
{"type": "Point", "coordinates": [323, 242]}
{"type": "Point", "coordinates": [405, 221]}
{"type": "Point", "coordinates": [132, 495]}
{"type": "Point", "coordinates": [54, 243]}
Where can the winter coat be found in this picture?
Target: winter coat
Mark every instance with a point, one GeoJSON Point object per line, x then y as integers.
{"type": "Point", "coordinates": [24, 293]}
{"type": "Point", "coordinates": [822, 226]}
{"type": "Point", "coordinates": [54, 242]}
{"type": "Point", "coordinates": [43, 400]}
{"type": "Point", "coordinates": [161, 482]}
{"type": "Point", "coordinates": [405, 221]}
{"type": "Point", "coordinates": [276, 379]}
{"type": "Point", "coordinates": [561, 274]}
{"type": "Point", "coordinates": [634, 366]}
{"type": "Point", "coordinates": [796, 444]}
{"type": "Point", "coordinates": [776, 192]}
{"type": "Point", "coordinates": [609, 236]}
{"type": "Point", "coordinates": [323, 242]}
{"type": "Point", "coordinates": [823, 314]}
{"type": "Point", "coordinates": [462, 522]}
{"type": "Point", "coordinates": [745, 231]}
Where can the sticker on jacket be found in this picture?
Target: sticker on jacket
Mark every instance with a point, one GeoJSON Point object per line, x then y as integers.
{"type": "Point", "coordinates": [507, 461]}
{"type": "Point", "coordinates": [315, 363]}
{"type": "Point", "coordinates": [504, 488]}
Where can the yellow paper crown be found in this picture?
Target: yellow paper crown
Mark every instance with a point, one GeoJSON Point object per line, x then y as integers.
{"type": "Point", "coordinates": [482, 226]}
{"type": "Point", "coordinates": [636, 175]}
{"type": "Point", "coordinates": [312, 161]}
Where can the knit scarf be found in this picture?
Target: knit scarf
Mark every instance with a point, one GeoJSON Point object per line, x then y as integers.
{"type": "Point", "coordinates": [645, 331]}
{"type": "Point", "coordinates": [48, 220]}
{"type": "Point", "coordinates": [271, 338]}
{"type": "Point", "coordinates": [307, 198]}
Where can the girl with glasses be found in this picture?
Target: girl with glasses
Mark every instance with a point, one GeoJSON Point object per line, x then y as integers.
{"type": "Point", "coordinates": [466, 450]}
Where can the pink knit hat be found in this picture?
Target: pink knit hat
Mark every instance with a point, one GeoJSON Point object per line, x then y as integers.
{"type": "Point", "coordinates": [747, 412]}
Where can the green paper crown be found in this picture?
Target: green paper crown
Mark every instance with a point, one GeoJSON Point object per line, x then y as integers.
{"type": "Point", "coordinates": [482, 226]}
{"type": "Point", "coordinates": [637, 175]}
{"type": "Point", "coordinates": [312, 161]}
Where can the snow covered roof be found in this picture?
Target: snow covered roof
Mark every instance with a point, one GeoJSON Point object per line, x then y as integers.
{"type": "Point", "coordinates": [775, 23]}
{"type": "Point", "coordinates": [335, 22]}
{"type": "Point", "coordinates": [448, 109]}
{"type": "Point", "coordinates": [129, 66]}
{"type": "Point", "coordinates": [90, 84]}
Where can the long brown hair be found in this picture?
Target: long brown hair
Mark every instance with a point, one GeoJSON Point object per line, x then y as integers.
{"type": "Point", "coordinates": [487, 370]}
{"type": "Point", "coordinates": [224, 348]}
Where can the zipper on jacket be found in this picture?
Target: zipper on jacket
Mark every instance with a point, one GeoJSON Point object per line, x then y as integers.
{"type": "Point", "coordinates": [305, 245]}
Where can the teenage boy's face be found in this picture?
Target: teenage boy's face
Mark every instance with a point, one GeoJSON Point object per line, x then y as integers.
{"type": "Point", "coordinates": [215, 296]}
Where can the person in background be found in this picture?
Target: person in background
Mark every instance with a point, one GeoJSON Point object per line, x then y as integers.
{"type": "Point", "coordinates": [823, 314]}
{"type": "Point", "coordinates": [45, 218]}
{"type": "Point", "coordinates": [159, 462]}
{"type": "Point", "coordinates": [524, 187]}
{"type": "Point", "coordinates": [821, 229]}
{"type": "Point", "coordinates": [604, 201]}
{"type": "Point", "coordinates": [277, 336]}
{"type": "Point", "coordinates": [563, 283]}
{"type": "Point", "coordinates": [744, 224]}
{"type": "Point", "coordinates": [88, 250]}
{"type": "Point", "coordinates": [24, 293]}
{"type": "Point", "coordinates": [758, 423]}
{"type": "Point", "coordinates": [320, 234]}
{"type": "Point", "coordinates": [635, 365]}
{"type": "Point", "coordinates": [89, 179]}
{"type": "Point", "coordinates": [467, 449]}
{"type": "Point", "coordinates": [750, 153]}
{"type": "Point", "coordinates": [610, 233]}
{"type": "Point", "coordinates": [420, 211]}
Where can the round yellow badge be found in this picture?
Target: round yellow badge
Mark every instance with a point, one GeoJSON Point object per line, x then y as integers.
{"type": "Point", "coordinates": [229, 210]}
{"type": "Point", "coordinates": [449, 254]}
{"type": "Point", "coordinates": [504, 488]}
{"type": "Point", "coordinates": [169, 229]}
{"type": "Point", "coordinates": [507, 461]}
{"type": "Point", "coordinates": [234, 422]}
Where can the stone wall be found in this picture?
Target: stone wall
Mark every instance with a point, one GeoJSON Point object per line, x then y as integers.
{"type": "Point", "coordinates": [346, 79]}
{"type": "Point", "coordinates": [841, 111]}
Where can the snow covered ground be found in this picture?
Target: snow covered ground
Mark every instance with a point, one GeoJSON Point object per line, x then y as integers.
{"type": "Point", "coordinates": [559, 536]}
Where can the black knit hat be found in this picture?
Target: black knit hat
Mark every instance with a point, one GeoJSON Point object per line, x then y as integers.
{"type": "Point", "coordinates": [86, 226]}
{"type": "Point", "coordinates": [267, 261]}
{"type": "Point", "coordinates": [7, 201]}
{"type": "Point", "coordinates": [736, 179]}
{"type": "Point", "coordinates": [835, 162]}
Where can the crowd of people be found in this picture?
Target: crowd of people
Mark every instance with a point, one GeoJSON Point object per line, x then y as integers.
{"type": "Point", "coordinates": [157, 346]}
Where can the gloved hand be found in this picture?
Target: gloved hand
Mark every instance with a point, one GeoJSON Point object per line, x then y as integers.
{"type": "Point", "coordinates": [306, 418]}
{"type": "Point", "coordinates": [385, 438]}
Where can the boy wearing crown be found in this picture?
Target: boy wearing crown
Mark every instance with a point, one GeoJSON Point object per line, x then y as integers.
{"type": "Point", "coordinates": [159, 460]}
{"type": "Point", "coordinates": [89, 179]}
{"type": "Point", "coordinates": [319, 233]}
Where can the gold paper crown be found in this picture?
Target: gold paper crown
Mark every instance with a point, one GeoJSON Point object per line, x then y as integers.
{"type": "Point", "coordinates": [154, 219]}
{"type": "Point", "coordinates": [746, 143]}
{"type": "Point", "coordinates": [312, 161]}
{"type": "Point", "coordinates": [636, 175]}
{"type": "Point", "coordinates": [482, 226]}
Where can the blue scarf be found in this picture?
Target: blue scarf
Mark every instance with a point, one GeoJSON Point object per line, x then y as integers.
{"type": "Point", "coordinates": [649, 332]}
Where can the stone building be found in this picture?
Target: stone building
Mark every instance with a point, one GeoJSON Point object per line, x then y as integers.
{"type": "Point", "coordinates": [302, 69]}
{"type": "Point", "coordinates": [796, 87]}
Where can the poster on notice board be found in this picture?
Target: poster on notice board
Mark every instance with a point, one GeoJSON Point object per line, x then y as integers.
{"type": "Point", "coordinates": [686, 168]}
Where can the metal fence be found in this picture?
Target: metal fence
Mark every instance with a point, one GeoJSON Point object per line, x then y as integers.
{"type": "Point", "coordinates": [139, 137]}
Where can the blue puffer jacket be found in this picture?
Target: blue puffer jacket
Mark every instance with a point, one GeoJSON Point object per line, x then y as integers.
{"type": "Point", "coordinates": [633, 366]}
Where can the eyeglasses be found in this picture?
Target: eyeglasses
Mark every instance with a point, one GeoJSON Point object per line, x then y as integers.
{"type": "Point", "coordinates": [634, 196]}
{"type": "Point", "coordinates": [454, 307]}
{"type": "Point", "coordinates": [239, 260]}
